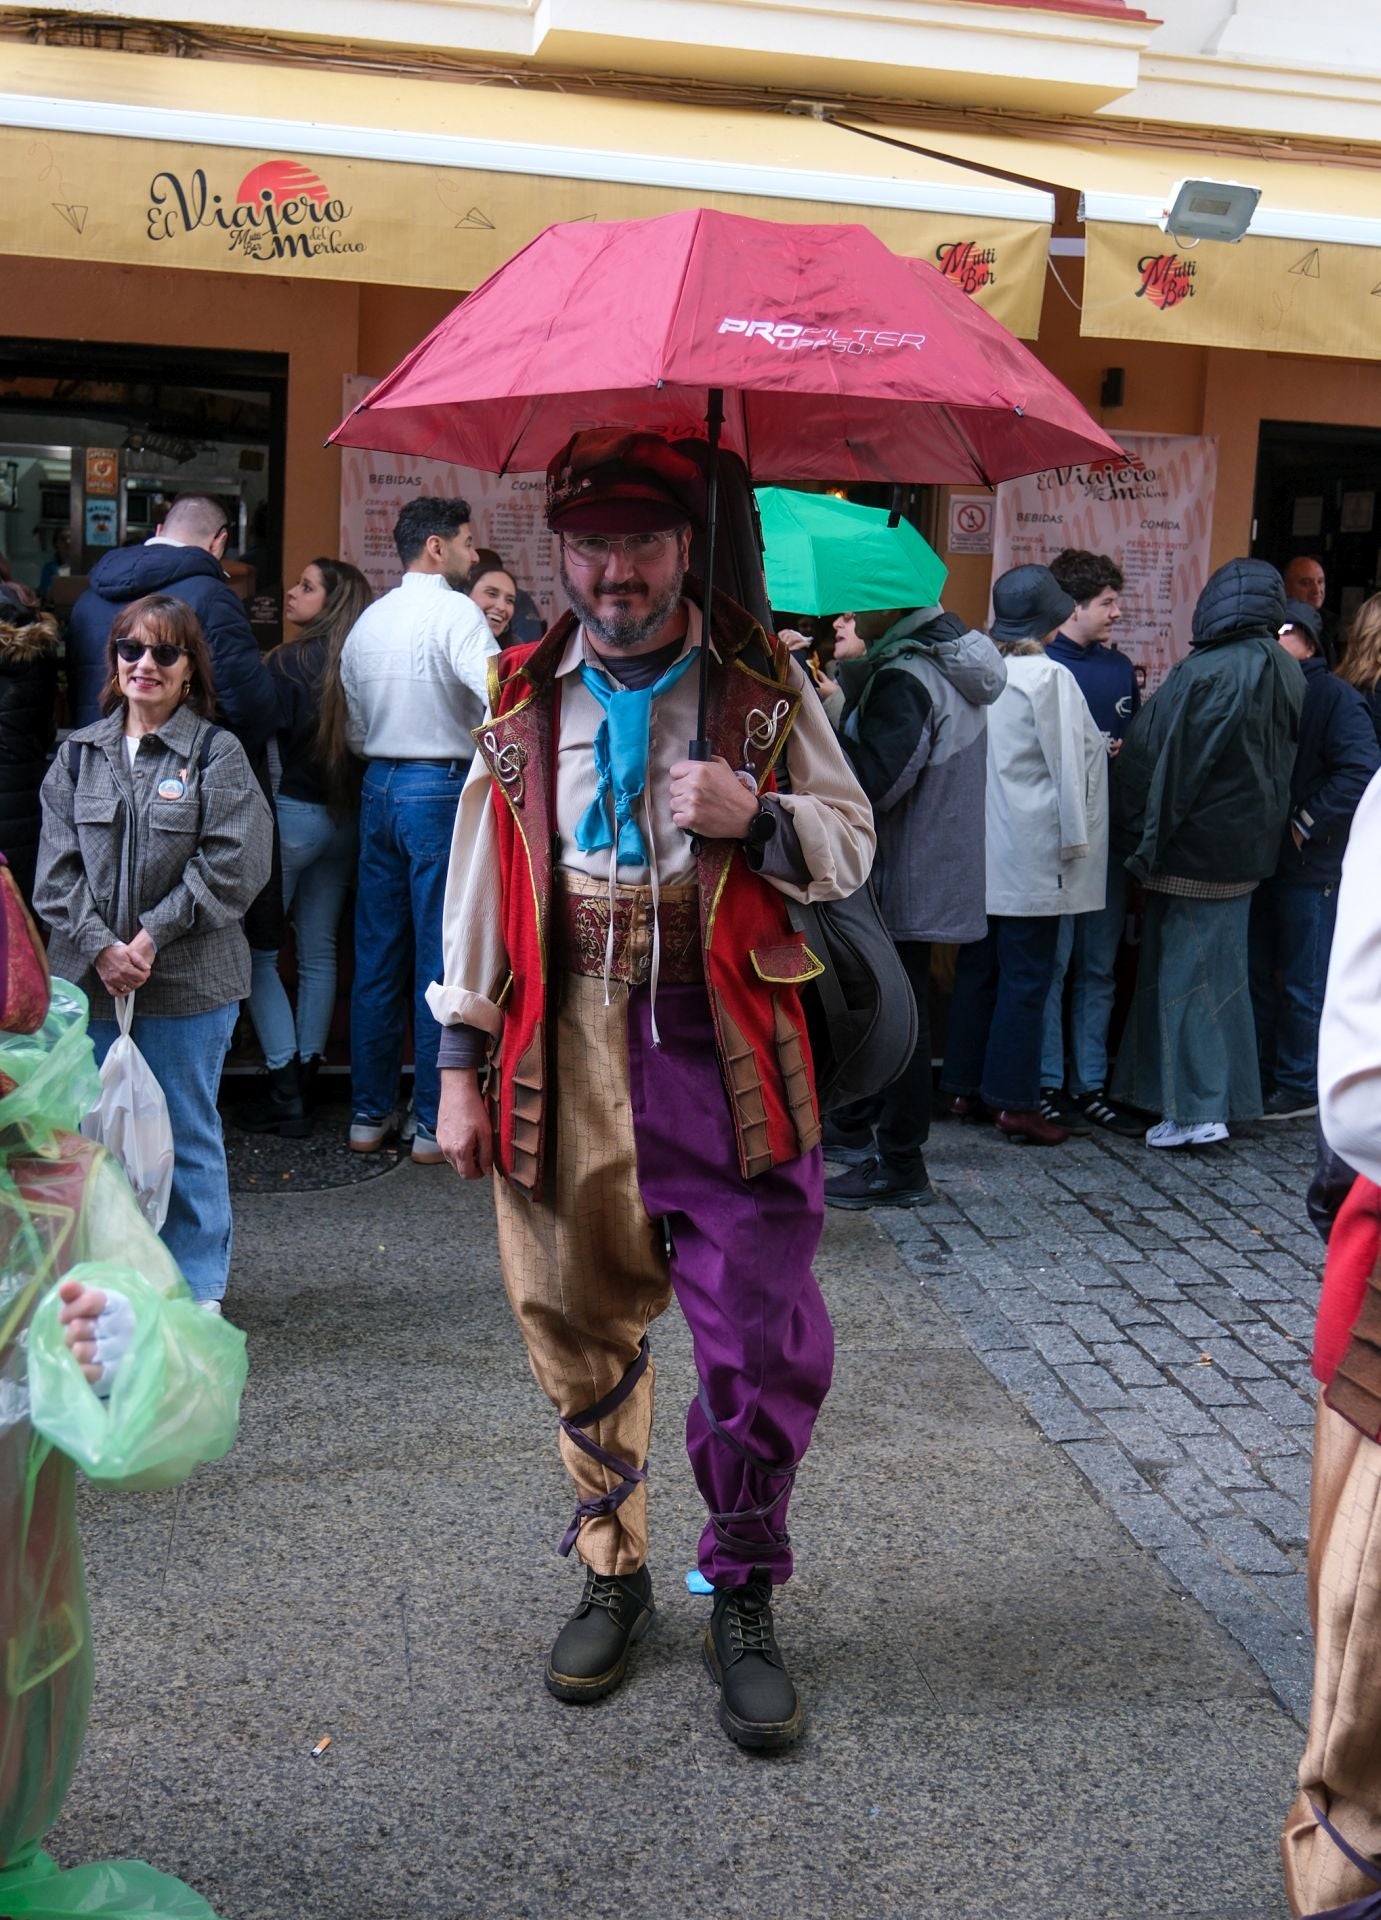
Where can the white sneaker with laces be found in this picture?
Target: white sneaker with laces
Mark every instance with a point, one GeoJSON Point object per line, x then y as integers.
{"type": "Point", "coordinates": [1169, 1133]}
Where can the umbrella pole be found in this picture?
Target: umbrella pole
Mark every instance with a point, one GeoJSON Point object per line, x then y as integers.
{"type": "Point", "coordinates": [714, 420]}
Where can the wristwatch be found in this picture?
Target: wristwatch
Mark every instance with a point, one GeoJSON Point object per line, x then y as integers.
{"type": "Point", "coordinates": [761, 828]}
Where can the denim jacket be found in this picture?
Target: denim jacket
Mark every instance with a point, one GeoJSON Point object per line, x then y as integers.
{"type": "Point", "coordinates": [179, 851]}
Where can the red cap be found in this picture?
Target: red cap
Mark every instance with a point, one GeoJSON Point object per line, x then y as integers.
{"type": "Point", "coordinates": [608, 481]}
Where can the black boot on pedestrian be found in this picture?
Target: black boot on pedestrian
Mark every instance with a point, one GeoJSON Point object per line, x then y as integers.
{"type": "Point", "coordinates": [311, 1092]}
{"type": "Point", "coordinates": [875, 1184]}
{"type": "Point", "coordinates": [590, 1654]}
{"type": "Point", "coordinates": [758, 1705]}
{"type": "Point", "coordinates": [282, 1111]}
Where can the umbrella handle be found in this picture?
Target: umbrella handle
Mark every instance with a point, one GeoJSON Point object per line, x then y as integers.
{"type": "Point", "coordinates": [714, 420]}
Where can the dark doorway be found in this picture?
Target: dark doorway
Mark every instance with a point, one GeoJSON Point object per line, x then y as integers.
{"type": "Point", "coordinates": [96, 439]}
{"type": "Point", "coordinates": [1318, 491]}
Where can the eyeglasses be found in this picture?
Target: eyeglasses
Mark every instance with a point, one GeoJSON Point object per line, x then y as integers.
{"type": "Point", "coordinates": [131, 651]}
{"type": "Point", "coordinates": [593, 550]}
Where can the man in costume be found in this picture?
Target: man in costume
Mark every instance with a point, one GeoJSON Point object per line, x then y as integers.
{"type": "Point", "coordinates": [617, 938]}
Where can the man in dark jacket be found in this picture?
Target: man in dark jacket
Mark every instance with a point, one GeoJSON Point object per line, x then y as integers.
{"type": "Point", "coordinates": [1086, 954]}
{"type": "Point", "coordinates": [1292, 913]}
{"type": "Point", "coordinates": [1200, 798]}
{"type": "Point", "coordinates": [182, 559]}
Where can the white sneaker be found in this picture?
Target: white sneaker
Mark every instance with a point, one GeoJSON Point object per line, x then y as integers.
{"type": "Point", "coordinates": [371, 1136]}
{"type": "Point", "coordinates": [1170, 1133]}
{"type": "Point", "coordinates": [209, 1306]}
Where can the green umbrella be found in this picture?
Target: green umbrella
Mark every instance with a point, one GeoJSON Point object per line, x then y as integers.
{"type": "Point", "coordinates": [831, 556]}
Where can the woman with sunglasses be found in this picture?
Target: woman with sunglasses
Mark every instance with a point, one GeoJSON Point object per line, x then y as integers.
{"type": "Point", "coordinates": [318, 825]}
{"type": "Point", "coordinates": [156, 838]}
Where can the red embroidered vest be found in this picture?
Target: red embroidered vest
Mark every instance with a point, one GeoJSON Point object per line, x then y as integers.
{"type": "Point", "coordinates": [755, 962]}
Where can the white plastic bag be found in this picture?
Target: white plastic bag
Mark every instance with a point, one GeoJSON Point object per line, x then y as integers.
{"type": "Point", "coordinates": [131, 1120]}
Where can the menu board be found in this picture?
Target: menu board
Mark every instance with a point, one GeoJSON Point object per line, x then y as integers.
{"type": "Point", "coordinates": [506, 512]}
{"type": "Point", "coordinates": [1151, 511]}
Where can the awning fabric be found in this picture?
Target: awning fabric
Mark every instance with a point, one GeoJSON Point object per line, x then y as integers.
{"type": "Point", "coordinates": [1306, 279]}
{"type": "Point", "coordinates": [213, 165]}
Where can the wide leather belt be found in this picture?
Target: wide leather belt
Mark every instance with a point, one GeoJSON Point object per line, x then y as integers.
{"type": "Point", "coordinates": [582, 931]}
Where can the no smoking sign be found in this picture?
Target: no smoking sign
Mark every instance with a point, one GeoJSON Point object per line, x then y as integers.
{"type": "Point", "coordinates": [970, 523]}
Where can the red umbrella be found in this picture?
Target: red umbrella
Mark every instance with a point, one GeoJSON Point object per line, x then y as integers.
{"type": "Point", "coordinates": [814, 352]}
{"type": "Point", "coordinates": [838, 359]}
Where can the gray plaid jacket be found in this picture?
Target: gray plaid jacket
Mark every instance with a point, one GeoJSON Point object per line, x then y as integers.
{"type": "Point", "coordinates": [179, 852]}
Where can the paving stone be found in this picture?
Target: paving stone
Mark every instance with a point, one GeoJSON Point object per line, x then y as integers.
{"type": "Point", "coordinates": [1192, 1494]}
{"type": "Point", "coordinates": [1221, 1304]}
{"type": "Point", "coordinates": [1227, 1466]}
{"type": "Point", "coordinates": [1057, 1416]}
{"type": "Point", "coordinates": [1151, 1521]}
{"type": "Point", "coordinates": [1209, 1387]}
{"type": "Point", "coordinates": [1127, 1364]}
{"type": "Point", "coordinates": [1191, 1321]}
{"type": "Point", "coordinates": [1057, 1343]}
{"type": "Point", "coordinates": [989, 1330]}
{"type": "Point", "coordinates": [1172, 1410]}
{"type": "Point", "coordinates": [1286, 1520]}
{"type": "Point", "coordinates": [1292, 1475]}
{"type": "Point", "coordinates": [1141, 1438]}
{"type": "Point", "coordinates": [1268, 1343]}
{"type": "Point", "coordinates": [1093, 1386]}
{"type": "Point", "coordinates": [1282, 1401]}
{"type": "Point", "coordinates": [1233, 1359]}
{"type": "Point", "coordinates": [1107, 1467]}
{"type": "Point", "coordinates": [1246, 1546]}
{"type": "Point", "coordinates": [1164, 1344]}
{"type": "Point", "coordinates": [1255, 1432]}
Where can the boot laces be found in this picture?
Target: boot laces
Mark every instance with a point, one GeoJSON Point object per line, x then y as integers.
{"type": "Point", "coordinates": [604, 1590]}
{"type": "Point", "coordinates": [750, 1621]}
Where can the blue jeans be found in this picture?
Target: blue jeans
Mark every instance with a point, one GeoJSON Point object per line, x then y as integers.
{"type": "Point", "coordinates": [407, 817]}
{"type": "Point", "coordinates": [1291, 939]}
{"type": "Point", "coordinates": [1000, 988]}
{"type": "Point", "coordinates": [186, 1052]}
{"type": "Point", "coordinates": [1087, 952]}
{"type": "Point", "coordinates": [319, 856]}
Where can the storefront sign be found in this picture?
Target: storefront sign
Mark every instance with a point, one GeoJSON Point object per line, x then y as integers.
{"type": "Point", "coordinates": [1152, 512]}
{"type": "Point", "coordinates": [970, 523]}
{"type": "Point", "coordinates": [89, 197]}
{"type": "Point", "coordinates": [102, 473]}
{"type": "Point", "coordinates": [1282, 296]}
{"type": "Point", "coordinates": [507, 512]}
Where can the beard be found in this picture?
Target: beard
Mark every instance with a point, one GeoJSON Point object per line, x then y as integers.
{"type": "Point", "coordinates": [625, 629]}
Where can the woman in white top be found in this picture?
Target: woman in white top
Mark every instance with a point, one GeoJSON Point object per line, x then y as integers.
{"type": "Point", "coordinates": [1047, 840]}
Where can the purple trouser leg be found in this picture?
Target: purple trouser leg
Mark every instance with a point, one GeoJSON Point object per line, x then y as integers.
{"type": "Point", "coordinates": [740, 1265]}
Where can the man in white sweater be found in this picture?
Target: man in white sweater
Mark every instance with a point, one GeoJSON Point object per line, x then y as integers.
{"type": "Point", "coordinates": [414, 670]}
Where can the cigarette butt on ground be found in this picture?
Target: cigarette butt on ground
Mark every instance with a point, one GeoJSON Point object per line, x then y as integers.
{"type": "Point", "coordinates": [321, 1745]}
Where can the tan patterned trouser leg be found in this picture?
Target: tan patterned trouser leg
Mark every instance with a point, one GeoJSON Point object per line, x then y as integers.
{"type": "Point", "coordinates": [586, 1268]}
{"type": "Point", "coordinates": [1341, 1768]}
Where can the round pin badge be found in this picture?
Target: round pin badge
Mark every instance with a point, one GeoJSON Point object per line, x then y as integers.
{"type": "Point", "coordinates": [171, 788]}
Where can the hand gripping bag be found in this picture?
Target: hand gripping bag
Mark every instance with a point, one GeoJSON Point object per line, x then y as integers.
{"type": "Point", "coordinates": [130, 1120]}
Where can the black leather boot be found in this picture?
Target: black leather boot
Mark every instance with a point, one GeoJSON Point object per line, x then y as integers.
{"type": "Point", "coordinates": [758, 1705]}
{"type": "Point", "coordinates": [590, 1653]}
{"type": "Point", "coordinates": [282, 1111]}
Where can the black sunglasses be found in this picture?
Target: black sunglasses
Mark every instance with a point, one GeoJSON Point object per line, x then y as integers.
{"type": "Point", "coordinates": [164, 655]}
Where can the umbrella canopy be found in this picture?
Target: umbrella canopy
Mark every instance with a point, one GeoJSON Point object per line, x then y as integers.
{"type": "Point", "coordinates": [825, 555]}
{"type": "Point", "coordinates": [838, 359]}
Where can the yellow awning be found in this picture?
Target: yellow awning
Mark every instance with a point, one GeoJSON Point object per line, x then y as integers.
{"type": "Point", "coordinates": [1306, 279]}
{"type": "Point", "coordinates": [214, 164]}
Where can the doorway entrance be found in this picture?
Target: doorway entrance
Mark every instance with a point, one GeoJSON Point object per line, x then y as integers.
{"type": "Point", "coordinates": [1318, 491]}
{"type": "Point", "coordinates": [96, 440]}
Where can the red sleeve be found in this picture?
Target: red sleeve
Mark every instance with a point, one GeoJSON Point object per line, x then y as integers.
{"type": "Point", "coordinates": [1353, 1247]}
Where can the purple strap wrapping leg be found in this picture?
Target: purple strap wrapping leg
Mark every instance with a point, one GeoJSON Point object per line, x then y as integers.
{"type": "Point", "coordinates": [783, 1470]}
{"type": "Point", "coordinates": [571, 1424]}
{"type": "Point", "coordinates": [1368, 1907]}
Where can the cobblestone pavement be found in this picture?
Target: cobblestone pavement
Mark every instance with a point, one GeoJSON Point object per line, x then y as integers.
{"type": "Point", "coordinates": [1153, 1312]}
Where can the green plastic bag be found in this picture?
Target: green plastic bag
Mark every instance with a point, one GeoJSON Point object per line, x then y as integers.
{"type": "Point", "coordinates": [176, 1399]}
{"type": "Point", "coordinates": [112, 1889]}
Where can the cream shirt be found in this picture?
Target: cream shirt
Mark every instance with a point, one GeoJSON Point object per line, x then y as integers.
{"type": "Point", "coordinates": [1350, 1026]}
{"type": "Point", "coordinates": [829, 812]}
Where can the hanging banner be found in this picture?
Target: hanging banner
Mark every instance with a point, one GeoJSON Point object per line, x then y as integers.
{"type": "Point", "coordinates": [507, 513]}
{"type": "Point", "coordinates": [1151, 512]}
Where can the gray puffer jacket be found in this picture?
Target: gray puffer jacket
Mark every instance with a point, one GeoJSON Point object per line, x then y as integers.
{"type": "Point", "coordinates": [172, 847]}
{"type": "Point", "coordinates": [915, 731]}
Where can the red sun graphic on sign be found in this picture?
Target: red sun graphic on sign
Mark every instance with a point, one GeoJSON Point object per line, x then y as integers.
{"type": "Point", "coordinates": [280, 181]}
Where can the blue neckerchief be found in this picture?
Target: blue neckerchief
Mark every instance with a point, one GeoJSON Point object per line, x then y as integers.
{"type": "Point", "coordinates": [621, 747]}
